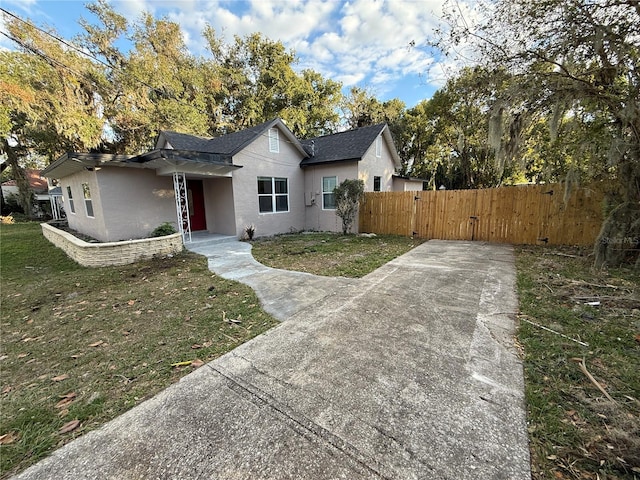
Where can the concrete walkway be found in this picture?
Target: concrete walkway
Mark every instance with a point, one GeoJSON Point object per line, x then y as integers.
{"type": "Point", "coordinates": [281, 292]}
{"type": "Point", "coordinates": [410, 372]}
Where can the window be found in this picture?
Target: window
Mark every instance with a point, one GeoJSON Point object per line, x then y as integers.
{"type": "Point", "coordinates": [274, 140]}
{"type": "Point", "coordinates": [273, 194]}
{"type": "Point", "coordinates": [376, 184]}
{"type": "Point", "coordinates": [72, 208]}
{"type": "Point", "coordinates": [328, 197]}
{"type": "Point", "coordinates": [379, 146]}
{"type": "Point", "coordinates": [87, 199]}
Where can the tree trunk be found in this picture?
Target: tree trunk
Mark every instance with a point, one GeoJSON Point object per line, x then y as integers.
{"type": "Point", "coordinates": [619, 238]}
{"type": "Point", "coordinates": [25, 193]}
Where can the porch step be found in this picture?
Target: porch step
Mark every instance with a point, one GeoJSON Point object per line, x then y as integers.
{"type": "Point", "coordinates": [199, 240]}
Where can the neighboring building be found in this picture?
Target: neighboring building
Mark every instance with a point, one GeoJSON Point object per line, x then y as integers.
{"type": "Point", "coordinates": [262, 176]}
{"type": "Point", "coordinates": [40, 188]}
{"type": "Point", "coordinates": [408, 184]}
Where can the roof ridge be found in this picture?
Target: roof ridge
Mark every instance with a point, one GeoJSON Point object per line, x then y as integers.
{"type": "Point", "coordinates": [353, 130]}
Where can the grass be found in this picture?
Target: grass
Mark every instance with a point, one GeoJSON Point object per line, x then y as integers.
{"type": "Point", "coordinates": [575, 431]}
{"type": "Point", "coordinates": [81, 346]}
{"type": "Point", "coordinates": [331, 254]}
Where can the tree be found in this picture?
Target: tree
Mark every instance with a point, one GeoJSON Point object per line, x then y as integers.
{"type": "Point", "coordinates": [571, 57]}
{"type": "Point", "coordinates": [446, 136]}
{"type": "Point", "coordinates": [157, 85]}
{"type": "Point", "coordinates": [48, 104]}
{"type": "Point", "coordinates": [257, 82]}
{"type": "Point", "coordinates": [348, 195]}
{"type": "Point", "coordinates": [361, 109]}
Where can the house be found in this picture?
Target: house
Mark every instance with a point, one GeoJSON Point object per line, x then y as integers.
{"type": "Point", "coordinates": [40, 188]}
{"type": "Point", "coordinates": [262, 176]}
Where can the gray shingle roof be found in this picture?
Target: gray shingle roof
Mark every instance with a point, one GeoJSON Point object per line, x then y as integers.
{"type": "Point", "coordinates": [350, 145]}
{"type": "Point", "coordinates": [183, 141]}
{"type": "Point", "coordinates": [228, 144]}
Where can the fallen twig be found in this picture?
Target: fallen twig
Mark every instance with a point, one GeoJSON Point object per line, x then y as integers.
{"type": "Point", "coordinates": [561, 254]}
{"type": "Point", "coordinates": [583, 367]}
{"type": "Point", "coordinates": [552, 331]}
{"type": "Point", "coordinates": [596, 285]}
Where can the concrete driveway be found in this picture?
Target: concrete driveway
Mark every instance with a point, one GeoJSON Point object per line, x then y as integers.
{"type": "Point", "coordinates": [410, 372]}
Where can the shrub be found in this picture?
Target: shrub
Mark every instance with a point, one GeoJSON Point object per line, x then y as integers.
{"type": "Point", "coordinates": [250, 231]}
{"type": "Point", "coordinates": [348, 195]}
{"type": "Point", "coordinates": [165, 229]}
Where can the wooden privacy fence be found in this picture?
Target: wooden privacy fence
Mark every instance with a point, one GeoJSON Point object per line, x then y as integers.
{"type": "Point", "coordinates": [529, 214]}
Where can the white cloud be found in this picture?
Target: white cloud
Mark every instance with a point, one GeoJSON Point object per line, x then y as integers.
{"type": "Point", "coordinates": [27, 6]}
{"type": "Point", "coordinates": [133, 9]}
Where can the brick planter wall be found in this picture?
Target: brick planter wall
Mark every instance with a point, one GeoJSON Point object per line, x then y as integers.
{"type": "Point", "coordinates": [111, 253]}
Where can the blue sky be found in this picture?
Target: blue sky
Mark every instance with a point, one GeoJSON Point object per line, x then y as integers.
{"type": "Point", "coordinates": [378, 45]}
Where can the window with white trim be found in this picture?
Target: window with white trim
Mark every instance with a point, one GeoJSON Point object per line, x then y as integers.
{"type": "Point", "coordinates": [273, 194]}
{"type": "Point", "coordinates": [328, 197]}
{"type": "Point", "coordinates": [72, 207]}
{"type": "Point", "coordinates": [274, 140]}
{"type": "Point", "coordinates": [88, 204]}
{"type": "Point", "coordinates": [379, 146]}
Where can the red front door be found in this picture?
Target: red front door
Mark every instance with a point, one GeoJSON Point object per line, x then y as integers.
{"type": "Point", "coordinates": [195, 195]}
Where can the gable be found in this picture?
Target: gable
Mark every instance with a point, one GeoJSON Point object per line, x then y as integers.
{"type": "Point", "coordinates": [229, 144]}
{"type": "Point", "coordinates": [349, 145]}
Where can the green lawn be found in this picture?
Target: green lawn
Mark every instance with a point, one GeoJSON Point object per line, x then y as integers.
{"type": "Point", "coordinates": [331, 254]}
{"type": "Point", "coordinates": [85, 345]}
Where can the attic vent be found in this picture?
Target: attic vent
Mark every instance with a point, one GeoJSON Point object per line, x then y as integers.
{"type": "Point", "coordinates": [379, 146]}
{"type": "Point", "coordinates": [274, 141]}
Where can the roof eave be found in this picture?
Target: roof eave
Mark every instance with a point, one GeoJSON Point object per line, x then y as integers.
{"type": "Point", "coordinates": [76, 162]}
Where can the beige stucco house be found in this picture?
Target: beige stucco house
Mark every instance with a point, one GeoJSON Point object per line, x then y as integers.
{"type": "Point", "coordinates": [262, 176]}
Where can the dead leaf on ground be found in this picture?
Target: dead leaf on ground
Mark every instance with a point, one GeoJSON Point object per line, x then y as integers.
{"type": "Point", "coordinates": [63, 413]}
{"type": "Point", "coordinates": [195, 346]}
{"type": "Point", "coordinates": [131, 302]}
{"type": "Point", "coordinates": [60, 378]}
{"type": "Point", "coordinates": [197, 363]}
{"type": "Point", "coordinates": [8, 438]}
{"type": "Point", "coordinates": [22, 355]}
{"type": "Point", "coordinates": [96, 344]}
{"type": "Point", "coordinates": [7, 389]}
{"type": "Point", "coordinates": [66, 399]}
{"type": "Point", "coordinates": [69, 426]}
